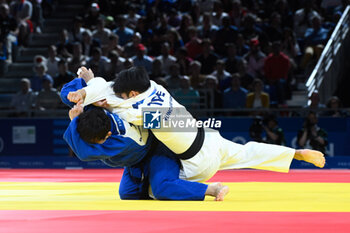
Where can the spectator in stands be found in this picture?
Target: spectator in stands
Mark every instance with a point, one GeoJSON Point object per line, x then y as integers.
{"type": "Point", "coordinates": [334, 104]}
{"type": "Point", "coordinates": [232, 60]}
{"type": "Point", "coordinates": [303, 17]}
{"type": "Point", "coordinates": [183, 60]}
{"type": "Point", "coordinates": [194, 45]}
{"type": "Point", "coordinates": [91, 18]}
{"type": "Point", "coordinates": [315, 101]}
{"type": "Point", "coordinates": [22, 10]}
{"type": "Point", "coordinates": [78, 59]}
{"type": "Point", "coordinates": [63, 76]}
{"type": "Point", "coordinates": [114, 66]}
{"type": "Point", "coordinates": [37, 16]}
{"type": "Point", "coordinates": [274, 133]}
{"type": "Point", "coordinates": [255, 60]}
{"type": "Point", "coordinates": [40, 70]}
{"type": "Point", "coordinates": [174, 18]}
{"type": "Point", "coordinates": [223, 77]}
{"type": "Point", "coordinates": [226, 34]}
{"type": "Point", "coordinates": [211, 92]}
{"type": "Point", "coordinates": [315, 39]}
{"type": "Point", "coordinates": [166, 59]}
{"type": "Point", "coordinates": [276, 69]}
{"type": "Point", "coordinates": [24, 100]}
{"type": "Point", "coordinates": [197, 79]}
{"type": "Point", "coordinates": [8, 23]}
{"type": "Point", "coordinates": [52, 61]}
{"type": "Point", "coordinates": [235, 96]}
{"type": "Point", "coordinates": [249, 28]}
{"type": "Point", "coordinates": [157, 71]}
{"type": "Point", "coordinates": [175, 41]}
{"type": "Point", "coordinates": [208, 58]}
{"type": "Point", "coordinates": [173, 79]}
{"type": "Point", "coordinates": [237, 12]}
{"type": "Point", "coordinates": [48, 97]}
{"type": "Point", "coordinates": [89, 43]}
{"type": "Point", "coordinates": [64, 46]}
{"type": "Point", "coordinates": [77, 32]}
{"type": "Point", "coordinates": [131, 47]}
{"type": "Point", "coordinates": [207, 29]}
{"type": "Point", "coordinates": [218, 13]}
{"type": "Point", "coordinates": [141, 59]}
{"type": "Point", "coordinates": [241, 47]}
{"type": "Point", "coordinates": [194, 11]}
{"type": "Point", "coordinates": [283, 8]}
{"type": "Point", "coordinates": [290, 46]}
{"type": "Point", "coordinates": [132, 16]}
{"type": "Point", "coordinates": [98, 61]}
{"type": "Point", "coordinates": [186, 95]}
{"type": "Point", "coordinates": [186, 23]}
{"type": "Point", "coordinates": [258, 98]}
{"type": "Point", "coordinates": [146, 33]}
{"type": "Point", "coordinates": [274, 30]}
{"type": "Point", "coordinates": [124, 33]}
{"type": "Point", "coordinates": [246, 79]}
{"type": "Point", "coordinates": [311, 135]}
{"type": "Point", "coordinates": [8, 27]}
{"type": "Point", "coordinates": [101, 33]}
{"type": "Point", "coordinates": [161, 28]}
{"type": "Point", "coordinates": [113, 41]}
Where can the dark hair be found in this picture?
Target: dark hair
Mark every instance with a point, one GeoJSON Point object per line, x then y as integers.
{"type": "Point", "coordinates": [93, 125]}
{"type": "Point", "coordinates": [62, 61]}
{"type": "Point", "coordinates": [132, 79]}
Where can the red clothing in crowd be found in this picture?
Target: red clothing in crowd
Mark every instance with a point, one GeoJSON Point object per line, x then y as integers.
{"type": "Point", "coordinates": [276, 67]}
{"type": "Point", "coordinates": [194, 48]}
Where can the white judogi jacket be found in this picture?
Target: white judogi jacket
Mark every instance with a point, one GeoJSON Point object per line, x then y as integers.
{"type": "Point", "coordinates": [131, 110]}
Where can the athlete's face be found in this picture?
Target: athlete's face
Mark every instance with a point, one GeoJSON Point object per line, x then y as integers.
{"type": "Point", "coordinates": [127, 96]}
{"type": "Point", "coordinates": [123, 96]}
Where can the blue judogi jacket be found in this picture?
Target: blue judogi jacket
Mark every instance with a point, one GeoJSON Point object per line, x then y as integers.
{"type": "Point", "coordinates": [124, 147]}
{"type": "Point", "coordinates": [117, 151]}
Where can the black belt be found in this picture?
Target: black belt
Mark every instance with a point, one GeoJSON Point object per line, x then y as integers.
{"type": "Point", "coordinates": [195, 147]}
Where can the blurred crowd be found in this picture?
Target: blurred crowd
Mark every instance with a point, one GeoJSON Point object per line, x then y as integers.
{"type": "Point", "coordinates": [310, 135]}
{"type": "Point", "coordinates": [209, 53]}
{"type": "Point", "coordinates": [19, 19]}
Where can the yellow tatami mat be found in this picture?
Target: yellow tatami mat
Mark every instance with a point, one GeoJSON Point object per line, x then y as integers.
{"type": "Point", "coordinates": [243, 196]}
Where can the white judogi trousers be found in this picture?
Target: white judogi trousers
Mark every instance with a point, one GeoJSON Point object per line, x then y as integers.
{"type": "Point", "coordinates": [219, 153]}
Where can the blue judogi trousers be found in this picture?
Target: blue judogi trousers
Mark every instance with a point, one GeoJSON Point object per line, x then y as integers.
{"type": "Point", "coordinates": [161, 172]}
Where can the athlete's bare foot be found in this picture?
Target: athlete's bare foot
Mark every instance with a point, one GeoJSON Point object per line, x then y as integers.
{"type": "Point", "coordinates": [311, 156]}
{"type": "Point", "coordinates": [217, 190]}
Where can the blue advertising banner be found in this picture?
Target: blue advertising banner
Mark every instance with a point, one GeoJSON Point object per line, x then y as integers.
{"type": "Point", "coordinates": [38, 143]}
